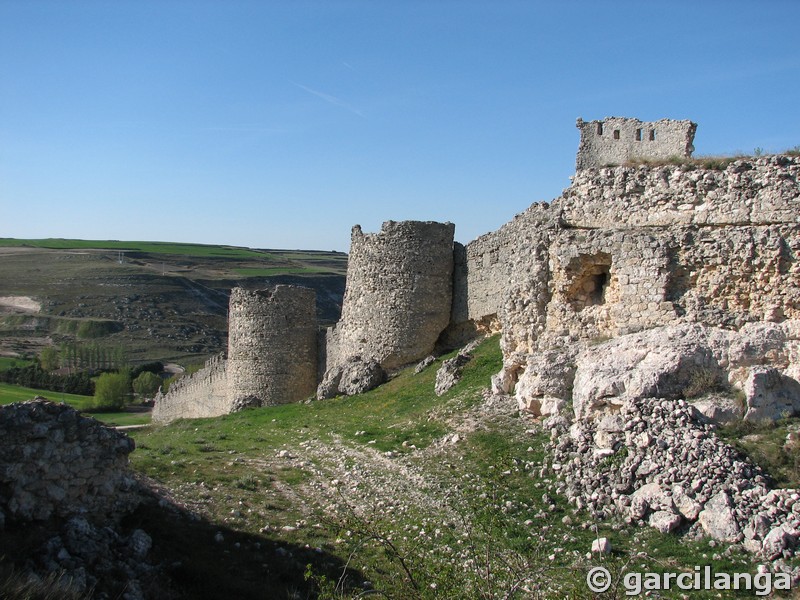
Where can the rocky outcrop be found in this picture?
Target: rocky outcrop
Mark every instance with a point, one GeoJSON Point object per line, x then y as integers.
{"type": "Point", "coordinates": [628, 249]}
{"type": "Point", "coordinates": [665, 468]}
{"type": "Point", "coordinates": [64, 480]}
{"type": "Point", "coordinates": [748, 372]}
{"type": "Point", "coordinates": [55, 463]}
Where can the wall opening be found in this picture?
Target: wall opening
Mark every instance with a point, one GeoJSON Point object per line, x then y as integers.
{"type": "Point", "coordinates": [616, 134]}
{"type": "Point", "coordinates": [652, 135]}
{"type": "Point", "coordinates": [638, 135]}
{"type": "Point", "coordinates": [590, 278]}
{"type": "Point", "coordinates": [599, 129]}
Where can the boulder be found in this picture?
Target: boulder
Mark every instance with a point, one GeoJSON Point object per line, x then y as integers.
{"type": "Point", "coordinates": [601, 546]}
{"type": "Point", "coordinates": [543, 388]}
{"type": "Point", "coordinates": [718, 409]}
{"type": "Point", "coordinates": [449, 373]}
{"type": "Point", "coordinates": [770, 395]}
{"type": "Point", "coordinates": [718, 519]}
{"type": "Point", "coordinates": [355, 376]}
{"type": "Point", "coordinates": [685, 505]}
{"type": "Point", "coordinates": [424, 364]}
{"type": "Point", "coordinates": [776, 541]}
{"type": "Point", "coordinates": [657, 363]}
{"type": "Point", "coordinates": [654, 496]}
{"type": "Point", "coordinates": [664, 521]}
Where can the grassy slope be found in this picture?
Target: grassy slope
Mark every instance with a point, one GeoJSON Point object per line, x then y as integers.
{"type": "Point", "coordinates": [379, 482]}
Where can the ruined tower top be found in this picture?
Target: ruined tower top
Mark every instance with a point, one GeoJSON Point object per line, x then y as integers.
{"type": "Point", "coordinates": [617, 140]}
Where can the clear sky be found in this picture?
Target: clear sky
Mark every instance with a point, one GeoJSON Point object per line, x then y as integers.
{"type": "Point", "coordinates": [281, 124]}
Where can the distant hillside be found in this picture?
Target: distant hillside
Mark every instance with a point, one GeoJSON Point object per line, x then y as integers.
{"type": "Point", "coordinates": [159, 300]}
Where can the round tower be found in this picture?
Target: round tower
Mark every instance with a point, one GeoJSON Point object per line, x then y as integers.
{"type": "Point", "coordinates": [272, 346]}
{"type": "Point", "coordinates": [398, 295]}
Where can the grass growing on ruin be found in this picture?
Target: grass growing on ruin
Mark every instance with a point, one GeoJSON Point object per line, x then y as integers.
{"type": "Point", "coordinates": [422, 497]}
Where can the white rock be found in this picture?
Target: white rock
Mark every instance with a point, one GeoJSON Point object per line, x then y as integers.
{"type": "Point", "coordinates": [601, 545]}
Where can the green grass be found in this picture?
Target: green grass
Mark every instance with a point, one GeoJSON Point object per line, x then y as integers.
{"type": "Point", "coordinates": [503, 514]}
{"type": "Point", "coordinates": [170, 248]}
{"type": "Point", "coordinates": [9, 363]}
{"type": "Point", "coordinates": [15, 393]}
{"type": "Point", "coordinates": [773, 446]}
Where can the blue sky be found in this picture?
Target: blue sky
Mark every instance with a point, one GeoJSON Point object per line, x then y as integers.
{"type": "Point", "coordinates": [282, 124]}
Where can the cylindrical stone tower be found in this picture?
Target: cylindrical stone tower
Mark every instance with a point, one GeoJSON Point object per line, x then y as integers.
{"type": "Point", "coordinates": [272, 346]}
{"type": "Point", "coordinates": [398, 295]}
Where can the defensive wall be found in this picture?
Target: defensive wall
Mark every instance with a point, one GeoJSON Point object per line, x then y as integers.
{"type": "Point", "coordinates": [630, 248]}
{"type": "Point", "coordinates": [623, 249]}
{"type": "Point", "coordinates": [272, 358]}
{"type": "Point", "coordinates": [201, 394]}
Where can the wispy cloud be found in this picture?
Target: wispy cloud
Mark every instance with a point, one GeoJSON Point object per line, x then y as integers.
{"type": "Point", "coordinates": [331, 99]}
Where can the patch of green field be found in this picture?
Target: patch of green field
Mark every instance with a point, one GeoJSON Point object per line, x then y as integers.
{"type": "Point", "coordinates": [196, 250]}
{"type": "Point", "coordinates": [15, 393]}
{"type": "Point", "coordinates": [7, 362]}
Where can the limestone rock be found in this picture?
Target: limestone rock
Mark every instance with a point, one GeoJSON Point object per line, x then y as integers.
{"type": "Point", "coordinates": [655, 497]}
{"type": "Point", "coordinates": [424, 364]}
{"type": "Point", "coordinates": [776, 541]}
{"type": "Point", "coordinates": [601, 546]}
{"type": "Point", "coordinates": [770, 395]}
{"type": "Point", "coordinates": [355, 376]}
{"type": "Point", "coordinates": [654, 363]}
{"type": "Point", "coordinates": [684, 504]}
{"type": "Point", "coordinates": [718, 519]}
{"type": "Point", "coordinates": [718, 409]}
{"type": "Point", "coordinates": [690, 360]}
{"type": "Point", "coordinates": [449, 373]}
{"type": "Point", "coordinates": [544, 386]}
{"type": "Point", "coordinates": [664, 521]}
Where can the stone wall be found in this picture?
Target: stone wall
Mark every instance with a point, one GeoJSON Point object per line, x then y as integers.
{"type": "Point", "coordinates": [55, 463]}
{"type": "Point", "coordinates": [618, 140]}
{"type": "Point", "coordinates": [627, 249]}
{"type": "Point", "coordinates": [398, 295]}
{"type": "Point", "coordinates": [272, 346]}
{"type": "Point", "coordinates": [751, 191]}
{"type": "Point", "coordinates": [201, 394]}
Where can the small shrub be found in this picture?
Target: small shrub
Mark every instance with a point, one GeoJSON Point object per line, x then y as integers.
{"type": "Point", "coordinates": [248, 482]}
{"type": "Point", "coordinates": [703, 381]}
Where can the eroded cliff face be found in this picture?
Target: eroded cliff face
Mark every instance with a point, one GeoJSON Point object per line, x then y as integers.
{"type": "Point", "coordinates": [628, 249]}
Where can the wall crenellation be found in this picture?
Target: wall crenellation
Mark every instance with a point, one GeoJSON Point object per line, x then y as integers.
{"type": "Point", "coordinates": [272, 358]}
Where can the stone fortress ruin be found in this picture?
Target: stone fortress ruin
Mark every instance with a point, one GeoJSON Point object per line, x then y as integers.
{"type": "Point", "coordinates": [619, 140]}
{"type": "Point", "coordinates": [624, 250]}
